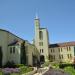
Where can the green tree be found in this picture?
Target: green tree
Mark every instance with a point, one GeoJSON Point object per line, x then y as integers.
{"type": "Point", "coordinates": [23, 53]}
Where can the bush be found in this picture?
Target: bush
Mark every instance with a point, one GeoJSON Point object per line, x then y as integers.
{"type": "Point", "coordinates": [9, 64]}
{"type": "Point", "coordinates": [70, 70]}
{"type": "Point", "coordinates": [25, 69]}
{"type": "Point", "coordinates": [55, 65]}
{"type": "Point", "coordinates": [46, 64]}
{"type": "Point", "coordinates": [19, 65]}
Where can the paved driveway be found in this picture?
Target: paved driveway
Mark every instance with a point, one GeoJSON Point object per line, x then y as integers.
{"type": "Point", "coordinates": [55, 72]}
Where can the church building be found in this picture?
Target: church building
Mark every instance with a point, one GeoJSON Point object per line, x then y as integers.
{"type": "Point", "coordinates": [41, 40]}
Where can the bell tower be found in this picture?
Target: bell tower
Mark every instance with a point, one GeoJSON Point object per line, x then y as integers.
{"type": "Point", "coordinates": [41, 40]}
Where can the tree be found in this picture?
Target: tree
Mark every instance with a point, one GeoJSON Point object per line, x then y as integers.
{"type": "Point", "coordinates": [23, 53]}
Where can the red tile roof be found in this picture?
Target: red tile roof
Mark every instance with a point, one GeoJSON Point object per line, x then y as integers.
{"type": "Point", "coordinates": [62, 44]}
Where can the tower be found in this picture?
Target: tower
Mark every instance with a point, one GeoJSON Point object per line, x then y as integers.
{"type": "Point", "coordinates": [41, 40]}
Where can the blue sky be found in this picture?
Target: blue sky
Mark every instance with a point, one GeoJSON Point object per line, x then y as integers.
{"type": "Point", "coordinates": [58, 16]}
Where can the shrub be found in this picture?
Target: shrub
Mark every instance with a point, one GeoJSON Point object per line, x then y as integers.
{"type": "Point", "coordinates": [70, 70]}
{"type": "Point", "coordinates": [9, 64]}
{"type": "Point", "coordinates": [46, 64]}
{"type": "Point", "coordinates": [19, 65]}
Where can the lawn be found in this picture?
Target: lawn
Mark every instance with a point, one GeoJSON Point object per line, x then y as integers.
{"type": "Point", "coordinates": [70, 70]}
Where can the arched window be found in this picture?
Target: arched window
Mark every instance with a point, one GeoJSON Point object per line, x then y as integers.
{"type": "Point", "coordinates": [40, 35]}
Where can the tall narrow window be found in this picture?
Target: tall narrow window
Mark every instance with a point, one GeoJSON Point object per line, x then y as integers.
{"type": "Point", "coordinates": [51, 50]}
{"type": "Point", "coordinates": [42, 50]}
{"type": "Point", "coordinates": [10, 49]}
{"type": "Point", "coordinates": [68, 56]}
{"type": "Point", "coordinates": [13, 49]}
{"type": "Point", "coordinates": [59, 49]}
{"type": "Point", "coordinates": [69, 48]}
{"type": "Point", "coordinates": [40, 35]}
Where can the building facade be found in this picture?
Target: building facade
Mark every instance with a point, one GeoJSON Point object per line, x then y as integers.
{"type": "Point", "coordinates": [20, 51]}
{"type": "Point", "coordinates": [62, 52]}
{"type": "Point", "coordinates": [41, 40]}
{"type": "Point", "coordinates": [16, 50]}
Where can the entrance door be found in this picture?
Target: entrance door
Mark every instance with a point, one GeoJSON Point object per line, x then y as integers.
{"type": "Point", "coordinates": [42, 59]}
{"type": "Point", "coordinates": [0, 56]}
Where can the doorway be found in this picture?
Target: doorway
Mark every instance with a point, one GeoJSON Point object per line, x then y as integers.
{"type": "Point", "coordinates": [42, 59]}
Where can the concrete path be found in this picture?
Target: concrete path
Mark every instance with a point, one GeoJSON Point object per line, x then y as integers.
{"type": "Point", "coordinates": [55, 72]}
{"type": "Point", "coordinates": [41, 71]}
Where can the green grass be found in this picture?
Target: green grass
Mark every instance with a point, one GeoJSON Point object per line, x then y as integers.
{"type": "Point", "coordinates": [25, 69]}
{"type": "Point", "coordinates": [70, 70]}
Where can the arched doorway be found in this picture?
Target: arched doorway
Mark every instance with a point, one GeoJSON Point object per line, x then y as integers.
{"type": "Point", "coordinates": [42, 59]}
{"type": "Point", "coordinates": [0, 56]}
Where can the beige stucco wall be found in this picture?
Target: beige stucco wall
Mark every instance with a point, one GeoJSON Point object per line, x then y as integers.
{"type": "Point", "coordinates": [64, 52]}
{"type": "Point", "coordinates": [5, 39]}
{"type": "Point", "coordinates": [30, 51]}
{"type": "Point", "coordinates": [3, 44]}
{"type": "Point", "coordinates": [45, 39]}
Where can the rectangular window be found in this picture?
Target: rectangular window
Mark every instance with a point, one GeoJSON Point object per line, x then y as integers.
{"type": "Point", "coordinates": [13, 49]}
{"type": "Point", "coordinates": [54, 57]}
{"type": "Point", "coordinates": [59, 57]}
{"type": "Point", "coordinates": [62, 56]}
{"type": "Point", "coordinates": [68, 56]}
{"type": "Point", "coordinates": [51, 50]}
{"type": "Point", "coordinates": [40, 43]}
{"type": "Point", "coordinates": [42, 50]}
{"type": "Point", "coordinates": [10, 49]}
{"type": "Point", "coordinates": [40, 35]}
{"type": "Point", "coordinates": [59, 49]}
{"type": "Point", "coordinates": [67, 48]}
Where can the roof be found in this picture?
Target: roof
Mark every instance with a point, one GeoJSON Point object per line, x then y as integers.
{"type": "Point", "coordinates": [11, 33]}
{"type": "Point", "coordinates": [62, 44]}
{"type": "Point", "coordinates": [42, 28]}
{"type": "Point", "coordinates": [13, 43]}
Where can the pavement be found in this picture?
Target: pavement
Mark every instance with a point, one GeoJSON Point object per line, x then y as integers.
{"type": "Point", "coordinates": [50, 71]}
{"type": "Point", "coordinates": [41, 71]}
{"type": "Point", "coordinates": [55, 72]}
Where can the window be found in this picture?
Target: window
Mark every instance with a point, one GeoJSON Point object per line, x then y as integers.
{"type": "Point", "coordinates": [59, 49]}
{"type": "Point", "coordinates": [42, 50]}
{"type": "Point", "coordinates": [54, 57]}
{"type": "Point", "coordinates": [68, 56]}
{"type": "Point", "coordinates": [60, 56]}
{"type": "Point", "coordinates": [40, 35]}
{"type": "Point", "coordinates": [10, 49]}
{"type": "Point", "coordinates": [51, 50]}
{"type": "Point", "coordinates": [13, 49]}
{"type": "Point", "coordinates": [69, 48]}
{"type": "Point", "coordinates": [40, 43]}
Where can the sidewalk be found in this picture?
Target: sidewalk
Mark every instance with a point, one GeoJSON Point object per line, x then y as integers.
{"type": "Point", "coordinates": [41, 71]}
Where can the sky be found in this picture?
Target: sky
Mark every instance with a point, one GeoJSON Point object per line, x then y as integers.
{"type": "Point", "coordinates": [58, 16]}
